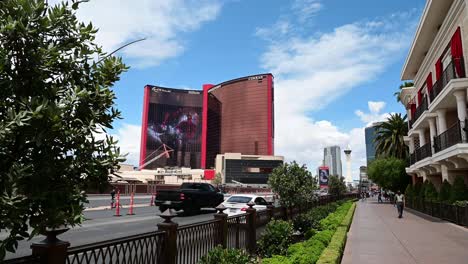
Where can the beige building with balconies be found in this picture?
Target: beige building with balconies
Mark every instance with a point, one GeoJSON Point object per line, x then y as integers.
{"type": "Point", "coordinates": [437, 104]}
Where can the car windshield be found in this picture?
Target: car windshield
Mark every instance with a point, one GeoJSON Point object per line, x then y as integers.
{"type": "Point", "coordinates": [239, 199]}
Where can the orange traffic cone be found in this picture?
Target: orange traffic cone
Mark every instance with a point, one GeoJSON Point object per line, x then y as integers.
{"type": "Point", "coordinates": [117, 205]}
{"type": "Point", "coordinates": [152, 199]}
{"type": "Point", "coordinates": [130, 211]}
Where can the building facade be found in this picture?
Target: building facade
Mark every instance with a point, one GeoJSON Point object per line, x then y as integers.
{"type": "Point", "coordinates": [189, 128]}
{"type": "Point", "coordinates": [238, 118]}
{"type": "Point", "coordinates": [370, 134]}
{"type": "Point", "coordinates": [332, 159]}
{"type": "Point", "coordinates": [436, 105]}
{"type": "Point", "coordinates": [236, 168]}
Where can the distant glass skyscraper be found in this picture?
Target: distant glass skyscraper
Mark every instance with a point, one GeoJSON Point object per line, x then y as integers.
{"type": "Point", "coordinates": [332, 159]}
{"type": "Point", "coordinates": [370, 133]}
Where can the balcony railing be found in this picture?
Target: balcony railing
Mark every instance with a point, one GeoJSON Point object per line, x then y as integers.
{"type": "Point", "coordinates": [412, 158]}
{"type": "Point", "coordinates": [452, 136]}
{"type": "Point", "coordinates": [420, 109]}
{"type": "Point", "coordinates": [410, 124]}
{"type": "Point", "coordinates": [449, 74]}
{"type": "Point", "coordinates": [423, 152]}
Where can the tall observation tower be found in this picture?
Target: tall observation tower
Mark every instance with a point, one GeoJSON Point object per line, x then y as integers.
{"type": "Point", "coordinates": [348, 177]}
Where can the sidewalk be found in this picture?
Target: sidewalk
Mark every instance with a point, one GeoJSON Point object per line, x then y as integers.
{"type": "Point", "coordinates": [378, 236]}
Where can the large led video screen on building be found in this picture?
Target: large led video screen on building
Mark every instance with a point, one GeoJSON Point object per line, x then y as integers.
{"type": "Point", "coordinates": [174, 120]}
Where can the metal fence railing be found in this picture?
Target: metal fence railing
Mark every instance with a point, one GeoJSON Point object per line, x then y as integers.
{"type": "Point", "coordinates": [172, 244]}
{"type": "Point", "coordinates": [453, 213]}
{"type": "Point", "coordinates": [237, 232]}
{"type": "Point", "coordinates": [194, 241]}
{"type": "Point", "coordinates": [143, 248]}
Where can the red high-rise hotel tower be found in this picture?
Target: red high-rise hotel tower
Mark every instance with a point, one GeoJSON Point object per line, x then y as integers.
{"type": "Point", "coordinates": [237, 116]}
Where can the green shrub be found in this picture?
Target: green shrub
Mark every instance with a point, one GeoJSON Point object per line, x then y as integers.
{"type": "Point", "coordinates": [409, 192]}
{"type": "Point", "coordinates": [311, 219]}
{"type": "Point", "coordinates": [334, 251]}
{"type": "Point", "coordinates": [310, 250]}
{"type": "Point", "coordinates": [306, 252]}
{"type": "Point", "coordinates": [323, 236]}
{"type": "Point", "coordinates": [459, 192]}
{"type": "Point", "coordinates": [310, 233]}
{"type": "Point", "coordinates": [333, 220]}
{"type": "Point", "coordinates": [430, 192]}
{"type": "Point", "coordinates": [219, 255]}
{"type": "Point", "coordinates": [332, 254]}
{"type": "Point", "coordinates": [277, 260]}
{"type": "Point", "coordinates": [349, 217]}
{"type": "Point", "coordinates": [445, 190]}
{"type": "Point", "coordinates": [276, 238]}
{"type": "Point", "coordinates": [417, 189]}
{"type": "Point", "coordinates": [461, 203]}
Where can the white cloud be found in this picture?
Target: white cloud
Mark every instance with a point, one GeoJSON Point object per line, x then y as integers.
{"type": "Point", "coordinates": [306, 8]}
{"type": "Point", "coordinates": [161, 22]}
{"type": "Point", "coordinates": [313, 71]}
{"type": "Point", "coordinates": [374, 115]}
{"type": "Point", "coordinates": [376, 107]}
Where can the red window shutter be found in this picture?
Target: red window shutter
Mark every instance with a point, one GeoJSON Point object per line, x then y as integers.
{"type": "Point", "coordinates": [419, 97]}
{"type": "Point", "coordinates": [456, 49]}
{"type": "Point", "coordinates": [429, 83]}
{"type": "Point", "coordinates": [439, 69]}
{"type": "Point", "coordinates": [413, 111]}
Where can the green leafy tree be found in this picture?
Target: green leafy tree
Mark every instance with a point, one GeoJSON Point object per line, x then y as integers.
{"type": "Point", "coordinates": [55, 99]}
{"type": "Point", "coordinates": [218, 179]}
{"type": "Point", "coordinates": [389, 173]}
{"type": "Point", "coordinates": [430, 192]}
{"type": "Point", "coordinates": [336, 185]}
{"type": "Point", "coordinates": [459, 190]}
{"type": "Point", "coordinates": [389, 137]}
{"type": "Point", "coordinates": [293, 183]}
{"type": "Point", "coordinates": [445, 190]}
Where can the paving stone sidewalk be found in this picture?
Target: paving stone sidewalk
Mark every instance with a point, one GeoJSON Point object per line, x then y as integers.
{"type": "Point", "coordinates": [377, 235]}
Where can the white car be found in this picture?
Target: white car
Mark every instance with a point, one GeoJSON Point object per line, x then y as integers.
{"type": "Point", "coordinates": [237, 203]}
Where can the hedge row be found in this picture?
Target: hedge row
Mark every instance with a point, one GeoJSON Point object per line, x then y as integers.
{"type": "Point", "coordinates": [310, 250]}
{"type": "Point", "coordinates": [332, 254]}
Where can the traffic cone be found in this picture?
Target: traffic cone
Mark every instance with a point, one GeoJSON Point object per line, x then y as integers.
{"type": "Point", "coordinates": [117, 205]}
{"type": "Point", "coordinates": [130, 211]}
{"type": "Point", "coordinates": [152, 200]}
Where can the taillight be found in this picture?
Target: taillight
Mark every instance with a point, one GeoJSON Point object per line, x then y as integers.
{"type": "Point", "coordinates": [244, 209]}
{"type": "Point", "coordinates": [182, 196]}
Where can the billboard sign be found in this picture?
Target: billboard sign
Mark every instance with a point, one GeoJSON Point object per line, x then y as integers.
{"type": "Point", "coordinates": [174, 119]}
{"type": "Point", "coordinates": [324, 173]}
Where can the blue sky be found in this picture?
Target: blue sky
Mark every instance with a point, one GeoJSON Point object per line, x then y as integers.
{"type": "Point", "coordinates": [336, 63]}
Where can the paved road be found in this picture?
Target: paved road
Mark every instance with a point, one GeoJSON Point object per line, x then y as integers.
{"type": "Point", "coordinates": [105, 200]}
{"type": "Point", "coordinates": [378, 236]}
{"type": "Point", "coordinates": [102, 225]}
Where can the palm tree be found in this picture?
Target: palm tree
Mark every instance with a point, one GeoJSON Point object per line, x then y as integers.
{"type": "Point", "coordinates": [405, 84]}
{"type": "Point", "coordinates": [389, 137]}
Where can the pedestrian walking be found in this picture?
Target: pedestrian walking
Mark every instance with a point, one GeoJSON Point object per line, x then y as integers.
{"type": "Point", "coordinates": [379, 198]}
{"type": "Point", "coordinates": [400, 203]}
{"type": "Point", "coordinates": [112, 193]}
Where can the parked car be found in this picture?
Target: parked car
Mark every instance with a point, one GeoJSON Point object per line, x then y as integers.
{"type": "Point", "coordinates": [237, 203]}
{"type": "Point", "coordinates": [191, 197]}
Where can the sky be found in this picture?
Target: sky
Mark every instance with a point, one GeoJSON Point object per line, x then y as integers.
{"type": "Point", "coordinates": [336, 63]}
